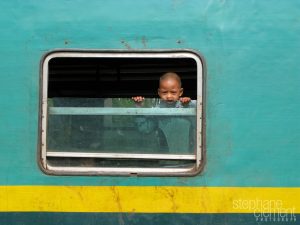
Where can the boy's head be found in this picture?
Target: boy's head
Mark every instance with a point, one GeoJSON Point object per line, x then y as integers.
{"type": "Point", "coordinates": [170, 87]}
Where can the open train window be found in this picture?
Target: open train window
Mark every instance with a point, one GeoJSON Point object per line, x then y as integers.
{"type": "Point", "coordinates": [90, 124]}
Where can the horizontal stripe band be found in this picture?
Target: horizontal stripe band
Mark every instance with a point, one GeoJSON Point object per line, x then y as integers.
{"type": "Point", "coordinates": [45, 218]}
{"type": "Point", "coordinates": [122, 111]}
{"type": "Point", "coordinates": [149, 199]}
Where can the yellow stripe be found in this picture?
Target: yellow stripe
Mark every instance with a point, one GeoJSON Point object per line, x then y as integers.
{"type": "Point", "coordinates": [147, 199]}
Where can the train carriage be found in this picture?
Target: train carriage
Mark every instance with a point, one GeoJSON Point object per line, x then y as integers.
{"type": "Point", "coordinates": [76, 149]}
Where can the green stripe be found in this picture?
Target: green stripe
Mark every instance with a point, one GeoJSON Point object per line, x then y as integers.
{"type": "Point", "coordinates": [132, 219]}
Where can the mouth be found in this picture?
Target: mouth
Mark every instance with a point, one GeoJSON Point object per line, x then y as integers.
{"type": "Point", "coordinates": [170, 102]}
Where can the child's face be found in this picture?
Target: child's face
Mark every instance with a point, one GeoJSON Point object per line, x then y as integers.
{"type": "Point", "coordinates": [170, 90]}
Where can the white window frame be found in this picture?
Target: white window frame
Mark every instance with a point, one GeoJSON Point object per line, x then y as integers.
{"type": "Point", "coordinates": [44, 111]}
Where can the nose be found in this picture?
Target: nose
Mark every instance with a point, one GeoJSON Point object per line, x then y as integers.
{"type": "Point", "coordinates": [169, 96]}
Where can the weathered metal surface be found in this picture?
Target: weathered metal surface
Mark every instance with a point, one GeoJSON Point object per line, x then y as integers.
{"type": "Point", "coordinates": [251, 49]}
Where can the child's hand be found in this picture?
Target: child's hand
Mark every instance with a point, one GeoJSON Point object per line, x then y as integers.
{"type": "Point", "coordinates": [138, 99]}
{"type": "Point", "coordinates": [185, 100]}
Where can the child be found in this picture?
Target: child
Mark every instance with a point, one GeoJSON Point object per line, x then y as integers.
{"type": "Point", "coordinates": [176, 134]}
{"type": "Point", "coordinates": [169, 91]}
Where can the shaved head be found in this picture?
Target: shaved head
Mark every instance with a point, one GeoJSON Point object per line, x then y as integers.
{"type": "Point", "coordinates": [172, 76]}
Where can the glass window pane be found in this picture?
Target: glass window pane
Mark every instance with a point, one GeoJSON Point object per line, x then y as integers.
{"type": "Point", "coordinates": [124, 131]}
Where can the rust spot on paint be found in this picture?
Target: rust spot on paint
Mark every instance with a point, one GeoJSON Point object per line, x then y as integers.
{"type": "Point", "coordinates": [144, 41]}
{"type": "Point", "coordinates": [126, 44]}
{"type": "Point", "coordinates": [170, 194]}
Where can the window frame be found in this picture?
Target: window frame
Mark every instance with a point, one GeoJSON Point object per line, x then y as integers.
{"type": "Point", "coordinates": [200, 119]}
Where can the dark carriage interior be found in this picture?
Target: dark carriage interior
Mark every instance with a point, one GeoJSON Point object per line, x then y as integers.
{"type": "Point", "coordinates": [117, 77]}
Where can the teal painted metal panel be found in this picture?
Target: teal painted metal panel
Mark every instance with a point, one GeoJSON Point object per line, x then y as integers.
{"type": "Point", "coordinates": [251, 50]}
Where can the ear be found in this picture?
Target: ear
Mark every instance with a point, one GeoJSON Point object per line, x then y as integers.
{"type": "Point", "coordinates": [158, 91]}
{"type": "Point", "coordinates": [181, 92]}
